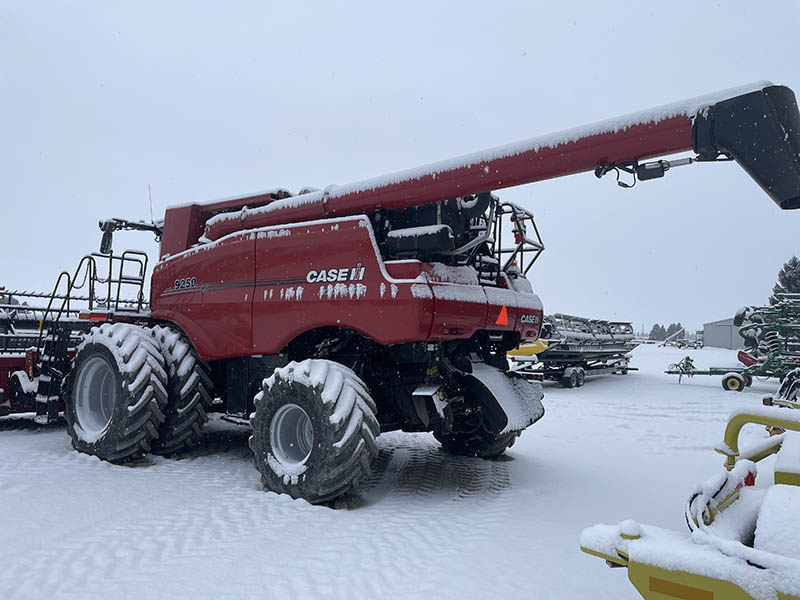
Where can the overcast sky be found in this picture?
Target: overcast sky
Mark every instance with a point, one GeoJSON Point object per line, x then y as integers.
{"type": "Point", "coordinates": [204, 100]}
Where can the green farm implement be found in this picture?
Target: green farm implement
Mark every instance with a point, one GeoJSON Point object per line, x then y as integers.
{"type": "Point", "coordinates": [772, 337]}
{"type": "Point", "coordinates": [735, 379]}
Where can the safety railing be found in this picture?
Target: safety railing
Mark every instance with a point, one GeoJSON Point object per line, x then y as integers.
{"type": "Point", "coordinates": [125, 270]}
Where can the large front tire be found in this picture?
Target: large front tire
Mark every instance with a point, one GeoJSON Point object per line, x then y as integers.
{"type": "Point", "coordinates": [188, 390]}
{"type": "Point", "coordinates": [115, 393]}
{"type": "Point", "coordinates": [314, 430]}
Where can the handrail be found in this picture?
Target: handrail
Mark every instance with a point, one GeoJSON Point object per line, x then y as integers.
{"type": "Point", "coordinates": [130, 256]}
{"type": "Point", "coordinates": [519, 216]}
{"type": "Point", "coordinates": [88, 267]}
{"type": "Point", "coordinates": [64, 301]}
{"type": "Point", "coordinates": [737, 421]}
{"type": "Point", "coordinates": [493, 234]}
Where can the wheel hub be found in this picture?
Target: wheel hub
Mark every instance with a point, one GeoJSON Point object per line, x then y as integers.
{"type": "Point", "coordinates": [291, 435]}
{"type": "Point", "coordinates": [95, 395]}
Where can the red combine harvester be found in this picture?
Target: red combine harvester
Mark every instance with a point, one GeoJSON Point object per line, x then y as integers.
{"type": "Point", "coordinates": [327, 317]}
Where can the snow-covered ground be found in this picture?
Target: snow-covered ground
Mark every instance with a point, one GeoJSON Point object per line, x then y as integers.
{"type": "Point", "coordinates": [425, 525]}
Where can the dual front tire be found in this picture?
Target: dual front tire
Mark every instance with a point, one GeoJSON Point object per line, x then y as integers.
{"type": "Point", "coordinates": [133, 390]}
{"type": "Point", "coordinates": [116, 393]}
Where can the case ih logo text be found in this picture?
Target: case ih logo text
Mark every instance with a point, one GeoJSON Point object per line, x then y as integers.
{"type": "Point", "coordinates": [530, 319]}
{"type": "Point", "coordinates": [328, 275]}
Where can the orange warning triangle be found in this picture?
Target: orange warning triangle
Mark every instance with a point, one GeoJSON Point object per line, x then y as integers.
{"type": "Point", "coordinates": [502, 318]}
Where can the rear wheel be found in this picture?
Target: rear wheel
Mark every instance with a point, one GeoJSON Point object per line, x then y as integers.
{"type": "Point", "coordinates": [581, 379]}
{"type": "Point", "coordinates": [733, 382]}
{"type": "Point", "coordinates": [314, 430]}
{"type": "Point", "coordinates": [748, 381]}
{"type": "Point", "coordinates": [115, 393]}
{"type": "Point", "coordinates": [479, 442]}
{"type": "Point", "coordinates": [188, 390]}
{"type": "Point", "coordinates": [474, 427]}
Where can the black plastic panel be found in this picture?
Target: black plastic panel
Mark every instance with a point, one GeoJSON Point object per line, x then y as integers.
{"type": "Point", "coordinates": [761, 131]}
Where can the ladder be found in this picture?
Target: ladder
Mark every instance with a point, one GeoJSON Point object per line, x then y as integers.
{"type": "Point", "coordinates": [58, 326]}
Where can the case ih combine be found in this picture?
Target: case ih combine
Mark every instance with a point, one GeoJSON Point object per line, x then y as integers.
{"type": "Point", "coordinates": [327, 317]}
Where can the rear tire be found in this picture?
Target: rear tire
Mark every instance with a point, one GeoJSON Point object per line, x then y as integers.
{"type": "Point", "coordinates": [188, 390]}
{"type": "Point", "coordinates": [733, 382]}
{"type": "Point", "coordinates": [581, 378]}
{"type": "Point", "coordinates": [314, 431]}
{"type": "Point", "coordinates": [748, 381]}
{"type": "Point", "coordinates": [479, 443]}
{"type": "Point", "coordinates": [115, 393]}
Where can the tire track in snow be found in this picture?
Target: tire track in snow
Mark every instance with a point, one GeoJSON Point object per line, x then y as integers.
{"type": "Point", "coordinates": [428, 499]}
{"type": "Point", "coordinates": [129, 527]}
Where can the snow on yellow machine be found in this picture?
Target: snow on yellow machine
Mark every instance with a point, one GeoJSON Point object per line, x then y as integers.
{"type": "Point", "coordinates": [744, 535]}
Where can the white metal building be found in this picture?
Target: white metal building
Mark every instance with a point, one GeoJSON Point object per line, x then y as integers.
{"type": "Point", "coordinates": [722, 334]}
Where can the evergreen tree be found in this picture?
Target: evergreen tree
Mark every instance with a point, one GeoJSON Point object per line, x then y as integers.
{"type": "Point", "coordinates": [673, 328]}
{"type": "Point", "coordinates": [658, 333]}
{"type": "Point", "coordinates": [788, 280]}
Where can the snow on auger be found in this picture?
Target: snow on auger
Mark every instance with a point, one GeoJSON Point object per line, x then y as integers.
{"type": "Point", "coordinates": [742, 539]}
{"type": "Point", "coordinates": [326, 317]}
{"type": "Point", "coordinates": [772, 336]}
{"type": "Point", "coordinates": [571, 348]}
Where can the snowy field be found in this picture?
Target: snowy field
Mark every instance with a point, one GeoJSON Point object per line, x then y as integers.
{"type": "Point", "coordinates": [425, 525]}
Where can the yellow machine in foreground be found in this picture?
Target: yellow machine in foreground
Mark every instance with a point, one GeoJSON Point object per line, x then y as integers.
{"type": "Point", "coordinates": [744, 537]}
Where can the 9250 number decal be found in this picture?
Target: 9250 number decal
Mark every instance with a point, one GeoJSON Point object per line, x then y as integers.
{"type": "Point", "coordinates": [186, 282]}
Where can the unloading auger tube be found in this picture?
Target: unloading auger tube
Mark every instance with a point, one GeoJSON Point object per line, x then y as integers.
{"type": "Point", "coordinates": [758, 126]}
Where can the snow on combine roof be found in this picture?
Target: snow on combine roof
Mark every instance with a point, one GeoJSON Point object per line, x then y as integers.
{"type": "Point", "coordinates": [712, 125]}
